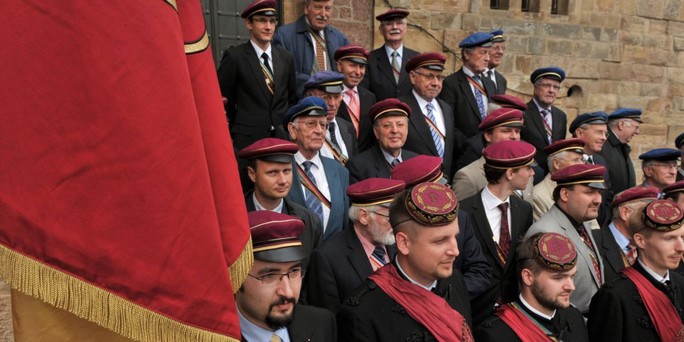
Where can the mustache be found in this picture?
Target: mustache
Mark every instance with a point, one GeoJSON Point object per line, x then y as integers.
{"type": "Point", "coordinates": [283, 300]}
{"type": "Point", "coordinates": [395, 31]}
{"type": "Point", "coordinates": [321, 17]}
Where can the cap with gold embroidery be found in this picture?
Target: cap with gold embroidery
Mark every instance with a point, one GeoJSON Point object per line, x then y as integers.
{"type": "Point", "coordinates": [374, 191]}
{"type": "Point", "coordinates": [662, 215]}
{"type": "Point", "coordinates": [497, 36]}
{"type": "Point", "coordinates": [509, 154]}
{"type": "Point", "coordinates": [509, 117]}
{"type": "Point", "coordinates": [311, 106]}
{"type": "Point", "coordinates": [327, 81]}
{"type": "Point", "coordinates": [585, 174]}
{"type": "Point", "coordinates": [419, 169]}
{"type": "Point", "coordinates": [389, 107]}
{"type": "Point", "coordinates": [555, 73]}
{"type": "Point", "coordinates": [261, 7]}
{"type": "Point", "coordinates": [275, 236]}
{"type": "Point", "coordinates": [555, 252]}
{"type": "Point", "coordinates": [270, 149]}
{"type": "Point", "coordinates": [354, 53]}
{"type": "Point", "coordinates": [430, 60]}
{"type": "Point", "coordinates": [637, 193]}
{"type": "Point", "coordinates": [428, 204]}
{"type": "Point", "coordinates": [573, 145]}
{"type": "Point", "coordinates": [509, 101]}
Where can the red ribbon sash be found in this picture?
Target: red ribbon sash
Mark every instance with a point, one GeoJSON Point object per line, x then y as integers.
{"type": "Point", "coordinates": [523, 327]}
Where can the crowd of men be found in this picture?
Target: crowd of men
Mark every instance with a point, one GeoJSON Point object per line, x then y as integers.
{"type": "Point", "coordinates": [349, 158]}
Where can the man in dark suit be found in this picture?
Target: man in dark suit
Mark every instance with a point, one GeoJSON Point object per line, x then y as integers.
{"type": "Point", "coordinates": [614, 241]}
{"type": "Point", "coordinates": [466, 91]}
{"type": "Point", "coordinates": [311, 40]}
{"type": "Point", "coordinates": [409, 298]}
{"type": "Point", "coordinates": [501, 219]}
{"type": "Point", "coordinates": [431, 125]}
{"type": "Point", "coordinates": [267, 300]}
{"type": "Point", "coordinates": [258, 79]}
{"type": "Point", "coordinates": [496, 53]}
{"type": "Point", "coordinates": [344, 261]}
{"type": "Point", "coordinates": [390, 126]}
{"type": "Point", "coordinates": [340, 139]}
{"type": "Point", "coordinates": [320, 183]}
{"type": "Point", "coordinates": [544, 123]}
{"type": "Point", "coordinates": [646, 301]}
{"type": "Point", "coordinates": [269, 167]}
{"type": "Point", "coordinates": [623, 125]}
{"type": "Point", "coordinates": [385, 75]}
{"type": "Point", "coordinates": [542, 311]}
{"type": "Point", "coordinates": [356, 100]}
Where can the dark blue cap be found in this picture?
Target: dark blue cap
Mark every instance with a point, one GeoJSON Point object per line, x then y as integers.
{"type": "Point", "coordinates": [497, 36]}
{"type": "Point", "coordinates": [626, 113]}
{"type": "Point", "coordinates": [661, 154]}
{"type": "Point", "coordinates": [312, 105]}
{"type": "Point", "coordinates": [679, 140]}
{"type": "Point", "coordinates": [594, 118]}
{"type": "Point", "coordinates": [328, 81]}
{"type": "Point", "coordinates": [476, 39]}
{"type": "Point", "coordinates": [555, 73]}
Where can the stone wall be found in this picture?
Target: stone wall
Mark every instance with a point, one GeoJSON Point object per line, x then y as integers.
{"type": "Point", "coordinates": [617, 53]}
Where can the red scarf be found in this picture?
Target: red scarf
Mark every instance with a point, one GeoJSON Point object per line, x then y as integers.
{"type": "Point", "coordinates": [663, 314]}
{"type": "Point", "coordinates": [522, 326]}
{"type": "Point", "coordinates": [428, 309]}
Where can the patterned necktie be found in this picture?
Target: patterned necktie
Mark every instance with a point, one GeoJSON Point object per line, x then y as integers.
{"type": "Point", "coordinates": [353, 106]}
{"type": "Point", "coordinates": [395, 162]}
{"type": "Point", "coordinates": [268, 73]}
{"type": "Point", "coordinates": [264, 57]}
{"type": "Point", "coordinates": [479, 98]}
{"type": "Point", "coordinates": [504, 234]}
{"type": "Point", "coordinates": [275, 338]}
{"type": "Point", "coordinates": [590, 160]}
{"type": "Point", "coordinates": [546, 119]}
{"type": "Point", "coordinates": [333, 137]}
{"type": "Point", "coordinates": [439, 143]}
{"type": "Point", "coordinates": [312, 202]}
{"type": "Point", "coordinates": [587, 241]}
{"type": "Point", "coordinates": [396, 66]}
{"type": "Point", "coordinates": [631, 253]}
{"type": "Point", "coordinates": [320, 51]}
{"type": "Point", "coordinates": [378, 257]}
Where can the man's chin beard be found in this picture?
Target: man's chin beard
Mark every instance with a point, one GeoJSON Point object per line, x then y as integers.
{"type": "Point", "coordinates": [276, 323]}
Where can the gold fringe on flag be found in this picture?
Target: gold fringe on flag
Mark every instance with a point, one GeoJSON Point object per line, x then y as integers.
{"type": "Point", "coordinates": [241, 266]}
{"type": "Point", "coordinates": [94, 304]}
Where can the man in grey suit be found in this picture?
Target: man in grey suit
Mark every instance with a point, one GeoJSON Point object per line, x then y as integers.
{"type": "Point", "coordinates": [320, 183]}
{"type": "Point", "coordinates": [577, 199]}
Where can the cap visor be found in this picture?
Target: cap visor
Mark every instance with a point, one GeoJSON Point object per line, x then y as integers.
{"type": "Point", "coordinates": [278, 158]}
{"type": "Point", "coordinates": [596, 185]}
{"type": "Point", "coordinates": [336, 89]}
{"type": "Point", "coordinates": [288, 254]}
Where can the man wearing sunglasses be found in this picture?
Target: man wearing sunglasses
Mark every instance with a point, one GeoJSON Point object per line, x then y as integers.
{"type": "Point", "coordinates": [267, 300]}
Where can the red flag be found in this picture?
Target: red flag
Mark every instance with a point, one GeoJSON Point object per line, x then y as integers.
{"type": "Point", "coordinates": [119, 195]}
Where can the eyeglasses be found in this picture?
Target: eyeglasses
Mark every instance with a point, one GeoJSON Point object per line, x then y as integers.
{"type": "Point", "coordinates": [383, 215]}
{"type": "Point", "coordinates": [296, 273]}
{"type": "Point", "coordinates": [430, 77]}
{"type": "Point", "coordinates": [548, 85]}
{"type": "Point", "coordinates": [313, 124]}
{"type": "Point", "coordinates": [669, 165]}
{"type": "Point", "coordinates": [390, 125]}
{"type": "Point", "coordinates": [398, 21]}
{"type": "Point", "coordinates": [271, 21]}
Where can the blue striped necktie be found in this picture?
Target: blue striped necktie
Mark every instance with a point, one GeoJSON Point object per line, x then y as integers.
{"type": "Point", "coordinates": [479, 98]}
{"type": "Point", "coordinates": [379, 255]}
{"type": "Point", "coordinates": [312, 202]}
{"type": "Point", "coordinates": [439, 144]}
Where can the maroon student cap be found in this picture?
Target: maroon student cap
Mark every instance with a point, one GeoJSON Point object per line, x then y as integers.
{"type": "Point", "coordinates": [555, 252]}
{"type": "Point", "coordinates": [509, 154]}
{"type": "Point", "coordinates": [262, 7]}
{"type": "Point", "coordinates": [419, 169]}
{"type": "Point", "coordinates": [634, 194]}
{"type": "Point", "coordinates": [429, 60]}
{"type": "Point", "coordinates": [374, 191]}
{"type": "Point", "coordinates": [275, 236]}
{"type": "Point", "coordinates": [673, 188]}
{"type": "Point", "coordinates": [509, 117]}
{"type": "Point", "coordinates": [509, 101]}
{"type": "Point", "coordinates": [270, 149]}
{"type": "Point", "coordinates": [662, 216]}
{"type": "Point", "coordinates": [354, 53]}
{"type": "Point", "coordinates": [393, 13]}
{"type": "Point", "coordinates": [389, 107]}
{"type": "Point", "coordinates": [428, 204]}
{"type": "Point", "coordinates": [585, 174]}
{"type": "Point", "coordinates": [573, 145]}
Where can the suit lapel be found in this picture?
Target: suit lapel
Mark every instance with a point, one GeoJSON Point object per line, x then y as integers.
{"type": "Point", "coordinates": [611, 250]}
{"type": "Point", "coordinates": [464, 84]}
{"type": "Point", "coordinates": [577, 240]}
{"type": "Point", "coordinates": [357, 255]}
{"type": "Point", "coordinates": [333, 184]}
{"type": "Point", "coordinates": [384, 65]}
{"type": "Point", "coordinates": [255, 65]}
{"type": "Point", "coordinates": [483, 228]}
{"type": "Point", "coordinates": [517, 223]}
{"type": "Point", "coordinates": [536, 119]}
{"type": "Point", "coordinates": [300, 329]}
{"type": "Point", "coordinates": [558, 129]}
{"type": "Point", "coordinates": [418, 122]}
{"type": "Point", "coordinates": [380, 163]}
{"type": "Point", "coordinates": [296, 193]}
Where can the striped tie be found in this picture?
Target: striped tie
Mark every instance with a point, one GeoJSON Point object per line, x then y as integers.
{"type": "Point", "coordinates": [396, 67]}
{"type": "Point", "coordinates": [439, 144]}
{"type": "Point", "coordinates": [312, 202]}
{"type": "Point", "coordinates": [546, 116]}
{"type": "Point", "coordinates": [378, 257]}
{"type": "Point", "coordinates": [632, 253]}
{"type": "Point", "coordinates": [479, 98]}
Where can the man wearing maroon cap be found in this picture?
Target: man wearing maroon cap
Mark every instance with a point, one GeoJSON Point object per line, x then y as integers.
{"type": "Point", "coordinates": [352, 61]}
{"type": "Point", "coordinates": [577, 199]}
{"type": "Point", "coordinates": [646, 302]}
{"type": "Point", "coordinates": [418, 296]}
{"type": "Point", "coordinates": [390, 119]}
{"type": "Point", "coordinates": [561, 154]}
{"type": "Point", "coordinates": [500, 219]}
{"type": "Point", "coordinates": [269, 167]}
{"type": "Point", "coordinates": [344, 261]}
{"type": "Point", "coordinates": [502, 124]}
{"type": "Point", "coordinates": [385, 75]}
{"type": "Point", "coordinates": [614, 241]}
{"type": "Point", "coordinates": [675, 192]}
{"type": "Point", "coordinates": [542, 311]}
{"type": "Point", "coordinates": [267, 300]}
{"type": "Point", "coordinates": [258, 79]}
{"type": "Point", "coordinates": [431, 127]}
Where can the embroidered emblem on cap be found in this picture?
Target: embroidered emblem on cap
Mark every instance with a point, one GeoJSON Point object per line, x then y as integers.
{"type": "Point", "coordinates": [432, 204]}
{"type": "Point", "coordinates": [555, 252]}
{"type": "Point", "coordinates": [662, 215]}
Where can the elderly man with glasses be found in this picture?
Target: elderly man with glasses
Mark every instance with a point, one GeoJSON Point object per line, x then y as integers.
{"type": "Point", "coordinates": [623, 125]}
{"type": "Point", "coordinates": [660, 167]}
